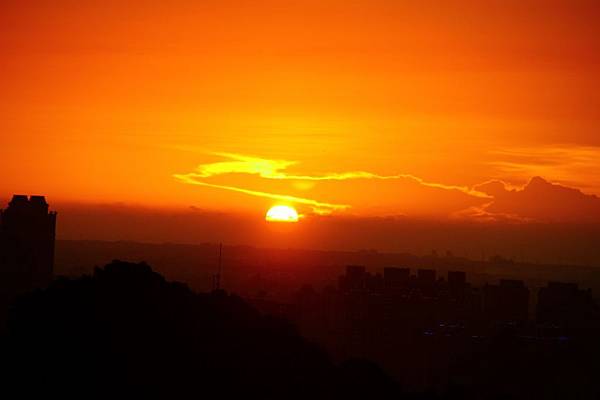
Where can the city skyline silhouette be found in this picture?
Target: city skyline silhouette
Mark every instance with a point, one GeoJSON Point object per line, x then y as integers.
{"type": "Point", "coordinates": [437, 327]}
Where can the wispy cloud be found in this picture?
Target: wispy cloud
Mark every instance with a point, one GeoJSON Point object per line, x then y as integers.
{"type": "Point", "coordinates": [274, 169]}
{"type": "Point", "coordinates": [317, 206]}
{"type": "Point", "coordinates": [417, 195]}
{"type": "Point", "coordinates": [569, 164]}
{"type": "Point", "coordinates": [278, 170]}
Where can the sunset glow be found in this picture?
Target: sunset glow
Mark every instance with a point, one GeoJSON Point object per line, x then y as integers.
{"type": "Point", "coordinates": [371, 109]}
{"type": "Point", "coordinates": [376, 199]}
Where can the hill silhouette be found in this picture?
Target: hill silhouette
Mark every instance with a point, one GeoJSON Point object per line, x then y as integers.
{"type": "Point", "coordinates": [126, 331]}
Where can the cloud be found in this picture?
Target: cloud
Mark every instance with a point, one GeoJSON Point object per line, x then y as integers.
{"type": "Point", "coordinates": [274, 169]}
{"type": "Point", "coordinates": [405, 194]}
{"type": "Point", "coordinates": [540, 200]}
{"type": "Point", "coordinates": [317, 206]}
{"type": "Point", "coordinates": [277, 170]}
{"type": "Point", "coordinates": [570, 165]}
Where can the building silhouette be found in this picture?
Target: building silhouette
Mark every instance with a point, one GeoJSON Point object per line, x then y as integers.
{"type": "Point", "coordinates": [355, 279]}
{"type": "Point", "coordinates": [457, 280]}
{"type": "Point", "coordinates": [27, 236]}
{"type": "Point", "coordinates": [396, 278]}
{"type": "Point", "coordinates": [507, 302]}
{"type": "Point", "coordinates": [426, 277]}
{"type": "Point", "coordinates": [566, 309]}
{"type": "Point", "coordinates": [433, 329]}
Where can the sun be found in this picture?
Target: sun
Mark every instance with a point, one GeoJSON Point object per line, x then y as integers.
{"type": "Point", "coordinates": [282, 214]}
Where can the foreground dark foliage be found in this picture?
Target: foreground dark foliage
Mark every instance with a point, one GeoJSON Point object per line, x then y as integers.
{"type": "Point", "coordinates": [126, 331]}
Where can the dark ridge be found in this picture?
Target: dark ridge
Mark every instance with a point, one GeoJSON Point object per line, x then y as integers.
{"type": "Point", "coordinates": [126, 331]}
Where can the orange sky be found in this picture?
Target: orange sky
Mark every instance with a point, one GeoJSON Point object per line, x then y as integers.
{"type": "Point", "coordinates": [378, 107]}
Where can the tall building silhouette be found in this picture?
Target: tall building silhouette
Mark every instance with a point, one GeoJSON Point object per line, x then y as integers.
{"type": "Point", "coordinates": [566, 308]}
{"type": "Point", "coordinates": [27, 235]}
{"type": "Point", "coordinates": [507, 301]}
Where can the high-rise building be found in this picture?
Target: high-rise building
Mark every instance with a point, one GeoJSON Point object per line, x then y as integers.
{"type": "Point", "coordinates": [507, 301]}
{"type": "Point", "coordinates": [27, 235]}
{"type": "Point", "coordinates": [395, 278]}
{"type": "Point", "coordinates": [355, 278]}
{"type": "Point", "coordinates": [457, 279]}
{"type": "Point", "coordinates": [426, 277]}
{"type": "Point", "coordinates": [566, 306]}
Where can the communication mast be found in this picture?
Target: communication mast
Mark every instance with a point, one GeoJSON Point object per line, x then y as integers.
{"type": "Point", "coordinates": [217, 277]}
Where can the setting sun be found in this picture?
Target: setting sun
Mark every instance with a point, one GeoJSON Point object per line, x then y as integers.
{"type": "Point", "coordinates": [282, 214]}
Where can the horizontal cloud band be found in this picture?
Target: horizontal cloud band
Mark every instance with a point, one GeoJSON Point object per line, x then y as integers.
{"type": "Point", "coordinates": [275, 169]}
{"type": "Point", "coordinates": [317, 206]}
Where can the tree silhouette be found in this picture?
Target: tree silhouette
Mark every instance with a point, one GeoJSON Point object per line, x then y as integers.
{"type": "Point", "coordinates": [126, 331]}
